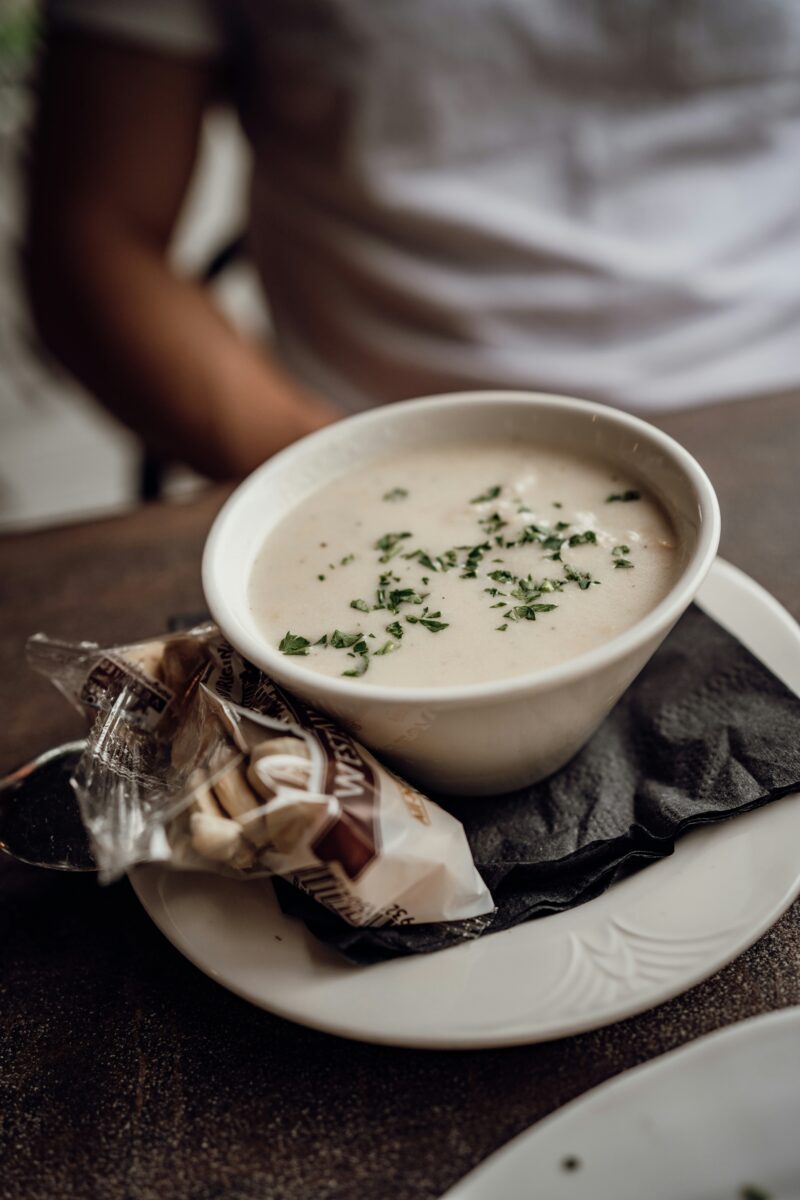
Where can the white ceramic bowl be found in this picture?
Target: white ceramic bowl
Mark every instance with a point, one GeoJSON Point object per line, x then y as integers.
{"type": "Point", "coordinates": [485, 738]}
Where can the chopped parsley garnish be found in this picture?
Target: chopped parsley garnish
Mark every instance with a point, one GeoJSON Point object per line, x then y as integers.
{"type": "Point", "coordinates": [343, 641]}
{"type": "Point", "coordinates": [490, 494]}
{"type": "Point", "coordinates": [362, 662]}
{"type": "Point", "coordinates": [624, 496]}
{"type": "Point", "coordinates": [402, 596]}
{"type": "Point", "coordinates": [321, 578]}
{"type": "Point", "coordinates": [390, 543]}
{"type": "Point", "coordinates": [492, 523]}
{"type": "Point", "coordinates": [582, 578]}
{"type": "Point", "coordinates": [474, 556]}
{"type": "Point", "coordinates": [423, 558]}
{"type": "Point", "coordinates": [526, 590]}
{"type": "Point", "coordinates": [429, 622]}
{"type": "Point", "coordinates": [520, 597]}
{"type": "Point", "coordinates": [527, 612]}
{"type": "Point", "coordinates": [531, 533]}
{"type": "Point", "coordinates": [292, 643]}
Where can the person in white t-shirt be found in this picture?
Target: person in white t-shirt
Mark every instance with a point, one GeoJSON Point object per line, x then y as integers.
{"type": "Point", "coordinates": [596, 197]}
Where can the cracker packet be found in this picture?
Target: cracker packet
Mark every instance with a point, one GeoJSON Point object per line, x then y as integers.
{"type": "Point", "coordinates": [197, 760]}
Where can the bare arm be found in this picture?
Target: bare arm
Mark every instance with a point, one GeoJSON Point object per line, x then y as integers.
{"type": "Point", "coordinates": [114, 148]}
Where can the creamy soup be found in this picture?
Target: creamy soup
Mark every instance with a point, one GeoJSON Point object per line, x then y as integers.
{"type": "Point", "coordinates": [462, 564]}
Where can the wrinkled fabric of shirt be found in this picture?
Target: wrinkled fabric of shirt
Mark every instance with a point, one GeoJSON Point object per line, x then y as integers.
{"type": "Point", "coordinates": [592, 197]}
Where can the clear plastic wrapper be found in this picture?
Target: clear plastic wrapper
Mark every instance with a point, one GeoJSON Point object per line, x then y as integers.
{"type": "Point", "coordinates": [198, 760]}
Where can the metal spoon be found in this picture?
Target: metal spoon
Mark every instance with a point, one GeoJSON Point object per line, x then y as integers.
{"type": "Point", "coordinates": [39, 819]}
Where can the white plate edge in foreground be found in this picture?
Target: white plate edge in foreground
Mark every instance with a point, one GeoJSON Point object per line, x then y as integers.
{"type": "Point", "coordinates": [637, 1092]}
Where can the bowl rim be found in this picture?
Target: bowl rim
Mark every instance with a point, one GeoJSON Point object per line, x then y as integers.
{"type": "Point", "coordinates": [655, 622]}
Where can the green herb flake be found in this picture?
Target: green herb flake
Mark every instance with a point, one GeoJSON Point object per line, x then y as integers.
{"type": "Point", "coordinates": [501, 577]}
{"type": "Point", "coordinates": [429, 622]}
{"type": "Point", "coordinates": [292, 643]}
{"type": "Point", "coordinates": [323, 641]}
{"type": "Point", "coordinates": [557, 504]}
{"type": "Point", "coordinates": [619, 551]}
{"type": "Point", "coordinates": [490, 494]}
{"type": "Point", "coordinates": [423, 558]}
{"type": "Point", "coordinates": [500, 604]}
{"type": "Point", "coordinates": [321, 578]}
{"type": "Point", "coordinates": [348, 558]}
{"type": "Point", "coordinates": [581, 539]}
{"type": "Point", "coordinates": [623, 496]}
{"type": "Point", "coordinates": [403, 596]}
{"type": "Point", "coordinates": [502, 628]}
{"type": "Point", "coordinates": [623, 562]}
{"type": "Point", "coordinates": [395, 494]}
{"type": "Point", "coordinates": [390, 543]}
{"type": "Point", "coordinates": [562, 525]}
{"type": "Point", "coordinates": [433, 625]}
{"type": "Point", "coordinates": [387, 648]}
{"type": "Point", "coordinates": [492, 523]}
{"type": "Point", "coordinates": [527, 612]}
{"type": "Point", "coordinates": [343, 641]}
{"type": "Point", "coordinates": [361, 605]}
{"type": "Point", "coordinates": [395, 629]}
{"type": "Point", "coordinates": [362, 662]}
{"type": "Point", "coordinates": [582, 578]}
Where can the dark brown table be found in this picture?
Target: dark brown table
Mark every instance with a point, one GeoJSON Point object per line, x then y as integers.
{"type": "Point", "coordinates": [125, 1074]}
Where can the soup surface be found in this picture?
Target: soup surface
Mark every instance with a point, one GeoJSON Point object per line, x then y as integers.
{"type": "Point", "coordinates": [462, 564]}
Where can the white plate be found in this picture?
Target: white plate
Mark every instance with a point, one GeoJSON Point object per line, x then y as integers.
{"type": "Point", "coordinates": [645, 940]}
{"type": "Point", "coordinates": [702, 1123]}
